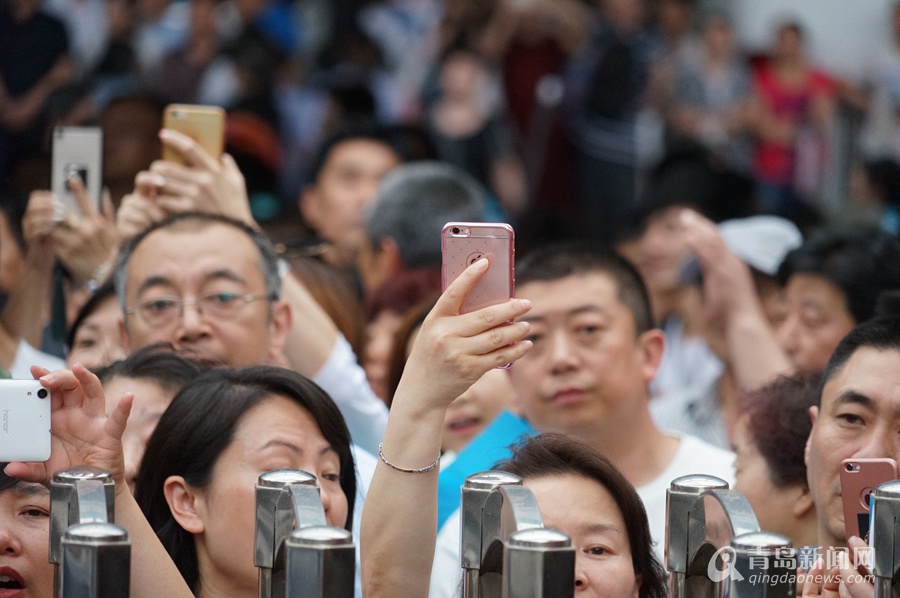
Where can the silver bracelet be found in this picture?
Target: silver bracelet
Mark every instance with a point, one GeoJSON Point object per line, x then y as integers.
{"type": "Point", "coordinates": [403, 469]}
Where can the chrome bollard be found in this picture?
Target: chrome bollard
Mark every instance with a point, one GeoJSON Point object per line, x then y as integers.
{"type": "Point", "coordinates": [275, 521]}
{"type": "Point", "coordinates": [96, 561]}
{"type": "Point", "coordinates": [539, 562]}
{"type": "Point", "coordinates": [475, 492]}
{"type": "Point", "coordinates": [84, 496]}
{"type": "Point", "coordinates": [321, 563]}
{"type": "Point", "coordinates": [702, 516]}
{"type": "Point", "coordinates": [505, 549]}
{"type": "Point", "coordinates": [884, 539]}
{"type": "Point", "coordinates": [288, 500]}
{"type": "Point", "coordinates": [763, 566]}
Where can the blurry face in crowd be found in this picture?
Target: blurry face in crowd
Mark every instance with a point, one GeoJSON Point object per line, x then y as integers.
{"type": "Point", "coordinates": [587, 513]}
{"type": "Point", "coordinates": [333, 206]}
{"type": "Point", "coordinates": [379, 346]}
{"type": "Point", "coordinates": [130, 141]}
{"type": "Point", "coordinates": [475, 409]}
{"type": "Point", "coordinates": [188, 262]}
{"type": "Point", "coordinates": [858, 418]}
{"type": "Point", "coordinates": [277, 433]}
{"type": "Point", "coordinates": [150, 401]}
{"type": "Point", "coordinates": [775, 506]}
{"type": "Point", "coordinates": [661, 251]}
{"type": "Point", "coordinates": [24, 541]}
{"type": "Point", "coordinates": [587, 365]}
{"type": "Point", "coordinates": [816, 319]}
{"type": "Point", "coordinates": [98, 341]}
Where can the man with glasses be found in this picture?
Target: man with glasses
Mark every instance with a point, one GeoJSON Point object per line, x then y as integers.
{"type": "Point", "coordinates": [211, 286]}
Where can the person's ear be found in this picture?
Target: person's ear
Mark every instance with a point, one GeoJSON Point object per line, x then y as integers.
{"type": "Point", "coordinates": [279, 327]}
{"type": "Point", "coordinates": [803, 503]}
{"type": "Point", "coordinates": [308, 203]}
{"type": "Point", "coordinates": [186, 504]}
{"type": "Point", "coordinates": [651, 345]}
{"type": "Point", "coordinates": [813, 416]}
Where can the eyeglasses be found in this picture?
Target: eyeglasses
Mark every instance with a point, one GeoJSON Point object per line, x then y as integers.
{"type": "Point", "coordinates": [221, 305]}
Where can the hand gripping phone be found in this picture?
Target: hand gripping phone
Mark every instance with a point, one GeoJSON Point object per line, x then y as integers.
{"type": "Point", "coordinates": [859, 478]}
{"type": "Point", "coordinates": [203, 124]}
{"type": "Point", "coordinates": [463, 244]}
{"type": "Point", "coordinates": [77, 150]}
{"type": "Point", "coordinates": [24, 421]}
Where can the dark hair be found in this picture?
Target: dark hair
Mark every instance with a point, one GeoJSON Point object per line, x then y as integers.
{"type": "Point", "coordinates": [159, 363]}
{"type": "Point", "coordinates": [200, 424]}
{"type": "Point", "coordinates": [6, 481]}
{"type": "Point", "coordinates": [268, 257]}
{"type": "Point", "coordinates": [860, 260]}
{"type": "Point", "coordinates": [884, 175]}
{"type": "Point", "coordinates": [100, 296]}
{"type": "Point", "coordinates": [356, 130]}
{"type": "Point", "coordinates": [778, 423]}
{"type": "Point", "coordinates": [554, 454]}
{"type": "Point", "coordinates": [572, 259]}
{"type": "Point", "coordinates": [881, 334]}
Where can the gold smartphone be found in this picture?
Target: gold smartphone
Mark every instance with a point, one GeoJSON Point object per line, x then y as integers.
{"type": "Point", "coordinates": [203, 124]}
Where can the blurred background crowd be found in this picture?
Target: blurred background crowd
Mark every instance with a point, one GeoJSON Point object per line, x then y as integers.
{"type": "Point", "coordinates": [569, 111]}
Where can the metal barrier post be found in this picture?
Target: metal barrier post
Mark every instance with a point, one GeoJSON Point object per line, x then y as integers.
{"type": "Point", "coordinates": [702, 516]}
{"type": "Point", "coordinates": [762, 566]}
{"type": "Point", "coordinates": [275, 521]}
{"type": "Point", "coordinates": [96, 561]}
{"type": "Point", "coordinates": [91, 557]}
{"type": "Point", "coordinates": [475, 492]}
{"type": "Point", "coordinates": [884, 539]}
{"type": "Point", "coordinates": [539, 563]}
{"type": "Point", "coordinates": [321, 563]}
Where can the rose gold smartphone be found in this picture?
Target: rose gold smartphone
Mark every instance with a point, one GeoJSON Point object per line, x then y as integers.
{"type": "Point", "coordinates": [859, 478]}
{"type": "Point", "coordinates": [203, 124]}
{"type": "Point", "coordinates": [464, 243]}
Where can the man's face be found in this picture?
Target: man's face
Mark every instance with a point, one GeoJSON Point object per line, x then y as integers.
{"type": "Point", "coordinates": [186, 263]}
{"type": "Point", "coordinates": [661, 251]}
{"type": "Point", "coordinates": [587, 367]}
{"type": "Point", "coordinates": [347, 183]}
{"type": "Point", "coordinates": [859, 417]}
{"type": "Point", "coordinates": [816, 319]}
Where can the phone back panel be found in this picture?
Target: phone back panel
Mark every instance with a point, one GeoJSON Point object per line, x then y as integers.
{"type": "Point", "coordinates": [203, 124]}
{"type": "Point", "coordinates": [859, 478]}
{"type": "Point", "coordinates": [77, 150]}
{"type": "Point", "coordinates": [24, 421]}
{"type": "Point", "coordinates": [472, 242]}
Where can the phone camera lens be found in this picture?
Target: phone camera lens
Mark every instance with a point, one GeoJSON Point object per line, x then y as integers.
{"type": "Point", "coordinates": [42, 393]}
{"type": "Point", "coordinates": [455, 230]}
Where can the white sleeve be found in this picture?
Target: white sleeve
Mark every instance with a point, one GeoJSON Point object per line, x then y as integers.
{"type": "Point", "coordinates": [345, 381]}
{"type": "Point", "coordinates": [446, 574]}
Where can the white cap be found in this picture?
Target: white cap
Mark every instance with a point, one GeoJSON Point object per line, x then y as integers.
{"type": "Point", "coordinates": [761, 241]}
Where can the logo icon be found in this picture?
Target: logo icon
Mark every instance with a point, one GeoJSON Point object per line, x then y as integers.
{"type": "Point", "coordinates": [726, 556]}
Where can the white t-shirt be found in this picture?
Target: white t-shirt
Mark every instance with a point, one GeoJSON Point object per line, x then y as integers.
{"type": "Point", "coordinates": [693, 456]}
{"type": "Point", "coordinates": [27, 356]}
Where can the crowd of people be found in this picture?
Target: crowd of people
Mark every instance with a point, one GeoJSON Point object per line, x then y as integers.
{"type": "Point", "coordinates": [685, 302]}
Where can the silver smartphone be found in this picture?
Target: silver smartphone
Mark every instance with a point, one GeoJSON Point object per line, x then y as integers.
{"type": "Point", "coordinates": [24, 421]}
{"type": "Point", "coordinates": [77, 150]}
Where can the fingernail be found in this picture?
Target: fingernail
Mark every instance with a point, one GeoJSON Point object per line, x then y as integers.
{"type": "Point", "coordinates": [49, 378]}
{"type": "Point", "coordinates": [525, 303]}
{"type": "Point", "coordinates": [482, 264]}
{"type": "Point", "coordinates": [688, 216]}
{"type": "Point", "coordinates": [158, 180]}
